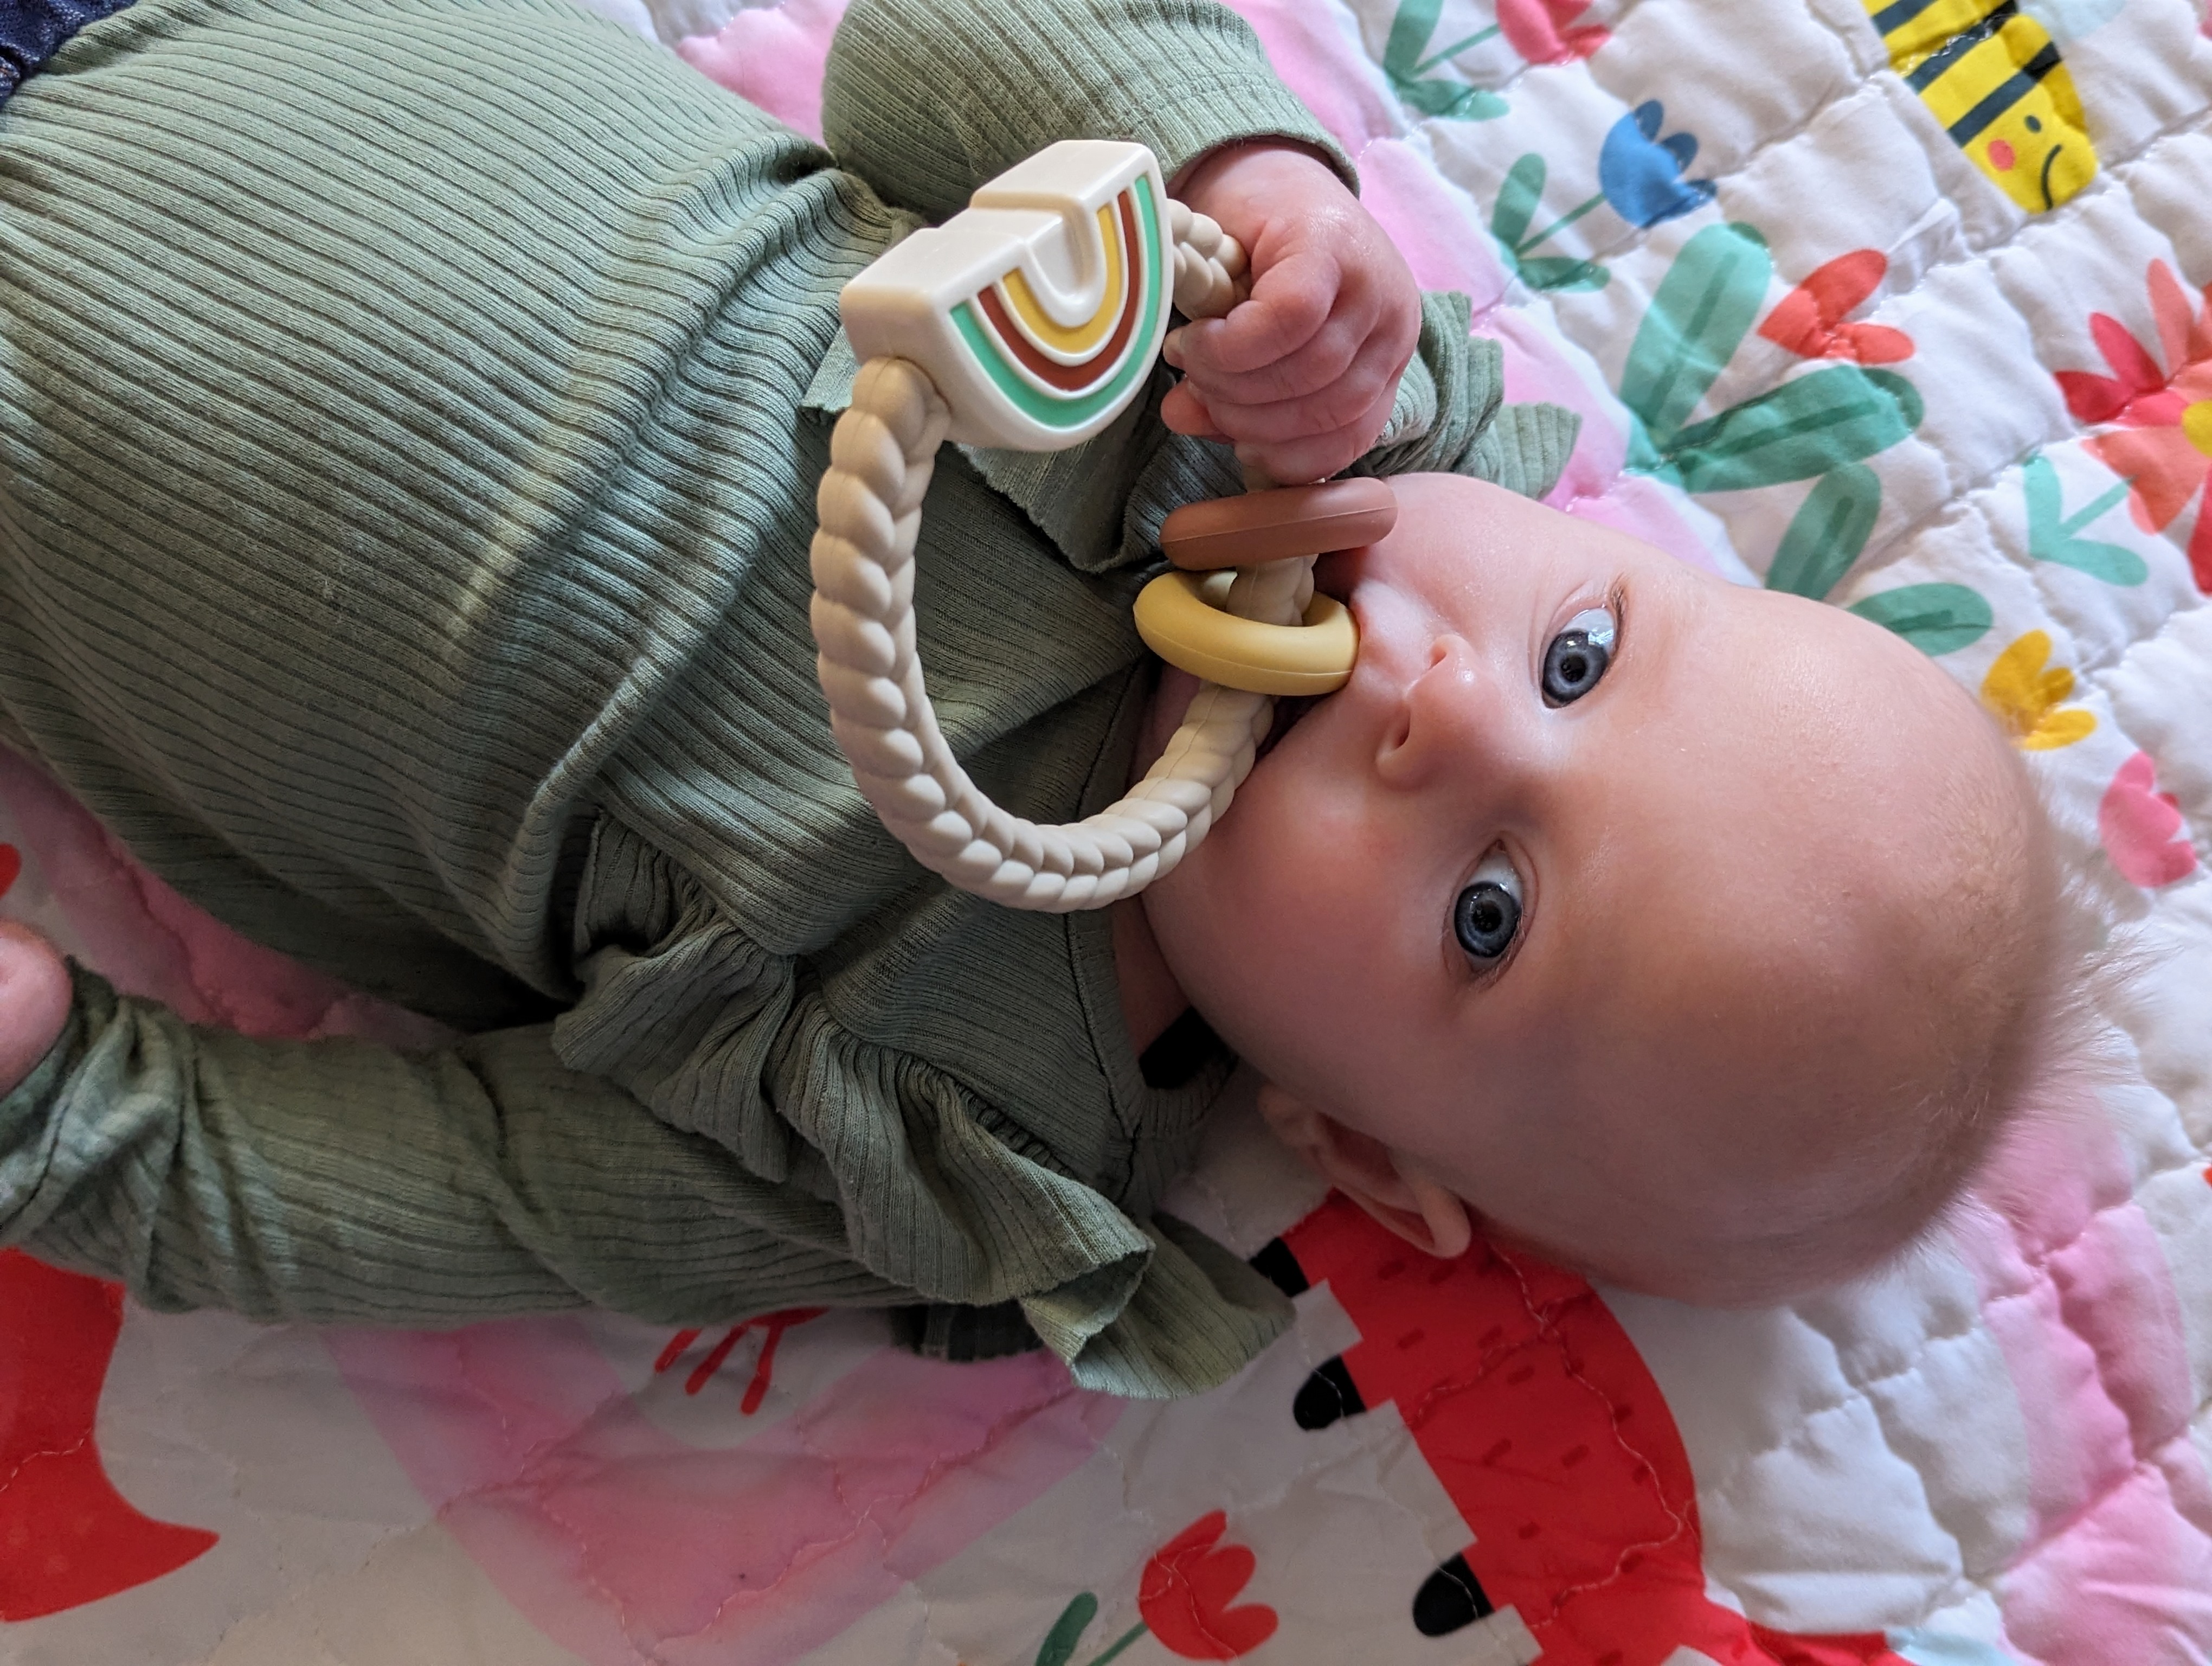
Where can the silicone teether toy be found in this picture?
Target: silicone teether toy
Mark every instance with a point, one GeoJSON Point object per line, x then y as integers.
{"type": "Point", "coordinates": [1203, 634]}
{"type": "Point", "coordinates": [1029, 320]}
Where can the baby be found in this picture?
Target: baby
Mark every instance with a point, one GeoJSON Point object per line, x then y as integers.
{"type": "Point", "coordinates": [1690, 935]}
{"type": "Point", "coordinates": [409, 419]}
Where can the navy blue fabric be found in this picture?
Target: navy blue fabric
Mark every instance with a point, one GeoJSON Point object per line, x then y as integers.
{"type": "Point", "coordinates": [31, 31]}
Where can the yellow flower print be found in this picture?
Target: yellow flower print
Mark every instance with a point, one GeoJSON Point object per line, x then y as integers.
{"type": "Point", "coordinates": [2025, 696]}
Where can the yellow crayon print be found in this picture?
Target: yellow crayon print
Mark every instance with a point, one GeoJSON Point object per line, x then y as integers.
{"type": "Point", "coordinates": [2026, 695]}
{"type": "Point", "coordinates": [1083, 338]}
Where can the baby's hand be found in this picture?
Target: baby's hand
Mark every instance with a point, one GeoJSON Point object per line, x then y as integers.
{"type": "Point", "coordinates": [34, 1002]}
{"type": "Point", "coordinates": [1300, 378]}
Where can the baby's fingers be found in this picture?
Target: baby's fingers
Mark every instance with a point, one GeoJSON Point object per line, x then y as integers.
{"type": "Point", "coordinates": [1339, 403]}
{"type": "Point", "coordinates": [1317, 364]}
{"type": "Point", "coordinates": [1289, 304]}
{"type": "Point", "coordinates": [1184, 412]}
{"type": "Point", "coordinates": [1294, 462]}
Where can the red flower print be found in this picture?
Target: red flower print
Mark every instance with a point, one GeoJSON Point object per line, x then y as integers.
{"type": "Point", "coordinates": [2163, 443]}
{"type": "Point", "coordinates": [1188, 1587]}
{"type": "Point", "coordinates": [11, 864]}
{"type": "Point", "coordinates": [772, 1327]}
{"type": "Point", "coordinates": [1537, 30]}
{"type": "Point", "coordinates": [1809, 322]}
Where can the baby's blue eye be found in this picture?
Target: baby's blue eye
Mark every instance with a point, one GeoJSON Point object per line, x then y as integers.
{"type": "Point", "coordinates": [1578, 656]}
{"type": "Point", "coordinates": [1487, 914]}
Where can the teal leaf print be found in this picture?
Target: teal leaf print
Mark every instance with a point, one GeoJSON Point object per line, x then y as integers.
{"type": "Point", "coordinates": [1409, 32]}
{"type": "Point", "coordinates": [1517, 199]}
{"type": "Point", "coordinates": [1557, 271]}
{"type": "Point", "coordinates": [1936, 618]}
{"type": "Point", "coordinates": [1410, 29]}
{"type": "Point", "coordinates": [1703, 308]}
{"type": "Point", "coordinates": [1517, 202]}
{"type": "Point", "coordinates": [2051, 531]}
{"type": "Point", "coordinates": [1827, 532]}
{"type": "Point", "coordinates": [1068, 1631]}
{"type": "Point", "coordinates": [1800, 430]}
{"type": "Point", "coordinates": [1449, 100]}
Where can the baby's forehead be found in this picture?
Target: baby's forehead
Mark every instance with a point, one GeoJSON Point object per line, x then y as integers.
{"type": "Point", "coordinates": [1795, 801]}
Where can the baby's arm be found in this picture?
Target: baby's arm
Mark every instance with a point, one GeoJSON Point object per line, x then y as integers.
{"type": "Point", "coordinates": [928, 99]}
{"type": "Point", "coordinates": [340, 1180]}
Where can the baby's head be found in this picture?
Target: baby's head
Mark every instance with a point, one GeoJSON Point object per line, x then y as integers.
{"type": "Point", "coordinates": [1708, 965]}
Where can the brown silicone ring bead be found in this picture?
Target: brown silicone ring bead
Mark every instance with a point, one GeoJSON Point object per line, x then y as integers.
{"type": "Point", "coordinates": [1271, 526]}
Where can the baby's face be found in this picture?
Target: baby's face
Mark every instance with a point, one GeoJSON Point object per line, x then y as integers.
{"type": "Point", "coordinates": [1584, 893]}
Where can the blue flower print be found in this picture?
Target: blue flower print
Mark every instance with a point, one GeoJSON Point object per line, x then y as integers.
{"type": "Point", "coordinates": [1642, 173]}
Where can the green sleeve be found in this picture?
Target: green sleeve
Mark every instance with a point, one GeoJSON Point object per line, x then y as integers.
{"type": "Point", "coordinates": [926, 99]}
{"type": "Point", "coordinates": [1449, 417]}
{"type": "Point", "coordinates": [340, 1180]}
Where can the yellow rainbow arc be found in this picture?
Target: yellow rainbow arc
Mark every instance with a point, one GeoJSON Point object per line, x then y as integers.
{"type": "Point", "coordinates": [1078, 340]}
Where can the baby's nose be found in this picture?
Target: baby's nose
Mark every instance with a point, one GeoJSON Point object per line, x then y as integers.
{"type": "Point", "coordinates": [1447, 718]}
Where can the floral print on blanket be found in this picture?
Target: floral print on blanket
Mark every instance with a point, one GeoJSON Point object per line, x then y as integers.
{"type": "Point", "coordinates": [1820, 425]}
{"type": "Point", "coordinates": [1640, 174]}
{"type": "Point", "coordinates": [2026, 694]}
{"type": "Point", "coordinates": [1805, 427]}
{"type": "Point", "coordinates": [2141, 829]}
{"type": "Point", "coordinates": [1188, 1598]}
{"type": "Point", "coordinates": [2160, 406]}
{"type": "Point", "coordinates": [1538, 31]}
{"type": "Point", "coordinates": [1644, 173]}
{"type": "Point", "coordinates": [2054, 535]}
{"type": "Point", "coordinates": [1810, 321]}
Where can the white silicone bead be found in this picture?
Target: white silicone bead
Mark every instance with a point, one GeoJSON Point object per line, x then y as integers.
{"type": "Point", "coordinates": [852, 641]}
{"type": "Point", "coordinates": [870, 699]}
{"type": "Point", "coordinates": [867, 447]}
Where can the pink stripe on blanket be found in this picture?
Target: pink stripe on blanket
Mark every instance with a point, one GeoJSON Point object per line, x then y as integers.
{"type": "Point", "coordinates": [1326, 68]}
{"type": "Point", "coordinates": [2077, 1290]}
{"type": "Point", "coordinates": [624, 1543]}
{"type": "Point", "coordinates": [772, 56]}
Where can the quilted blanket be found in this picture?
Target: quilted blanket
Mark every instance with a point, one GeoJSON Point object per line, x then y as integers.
{"type": "Point", "coordinates": [1900, 304]}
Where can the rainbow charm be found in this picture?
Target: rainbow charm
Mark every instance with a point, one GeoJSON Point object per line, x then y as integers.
{"type": "Point", "coordinates": [1038, 309]}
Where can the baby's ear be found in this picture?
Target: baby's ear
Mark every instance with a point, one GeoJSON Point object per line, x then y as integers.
{"type": "Point", "coordinates": [1390, 1187]}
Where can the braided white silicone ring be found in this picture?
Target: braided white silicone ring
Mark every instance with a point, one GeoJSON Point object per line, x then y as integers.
{"type": "Point", "coordinates": [869, 506]}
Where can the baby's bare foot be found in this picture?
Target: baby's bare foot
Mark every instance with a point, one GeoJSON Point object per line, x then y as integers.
{"type": "Point", "coordinates": [35, 1001]}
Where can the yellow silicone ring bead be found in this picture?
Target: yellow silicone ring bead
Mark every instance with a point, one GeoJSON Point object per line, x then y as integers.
{"type": "Point", "coordinates": [1180, 625]}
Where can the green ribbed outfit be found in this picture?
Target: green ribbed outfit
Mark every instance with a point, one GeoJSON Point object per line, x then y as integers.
{"type": "Point", "coordinates": [410, 416]}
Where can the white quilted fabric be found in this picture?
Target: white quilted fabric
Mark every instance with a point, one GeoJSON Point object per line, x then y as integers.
{"type": "Point", "coordinates": [1996, 1451]}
